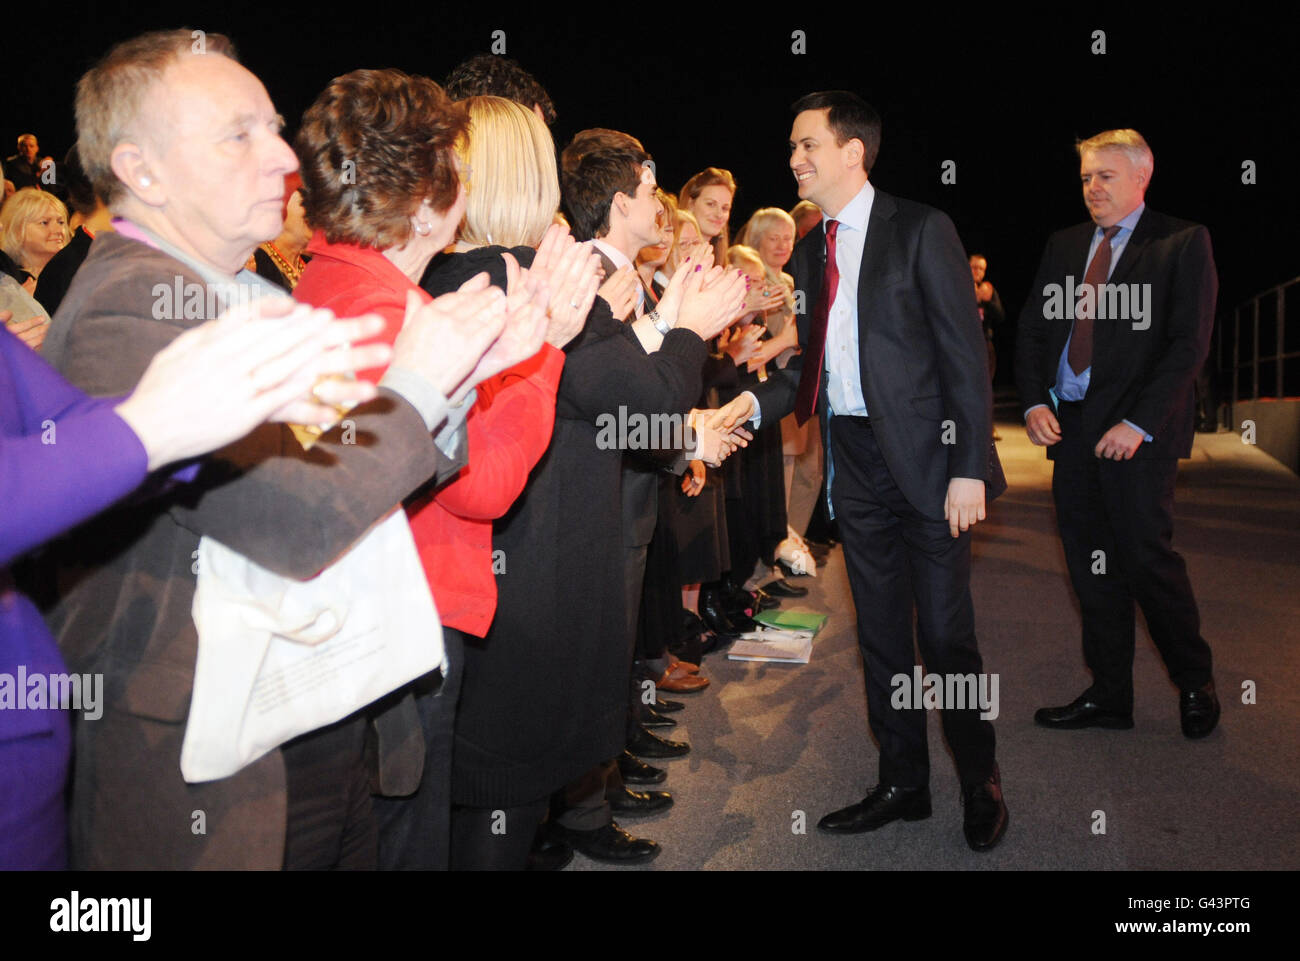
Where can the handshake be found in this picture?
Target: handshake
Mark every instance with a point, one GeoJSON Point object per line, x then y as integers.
{"type": "Point", "coordinates": [720, 432]}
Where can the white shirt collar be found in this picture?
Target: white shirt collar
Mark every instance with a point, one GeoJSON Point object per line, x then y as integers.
{"type": "Point", "coordinates": [857, 211]}
{"type": "Point", "coordinates": [613, 253]}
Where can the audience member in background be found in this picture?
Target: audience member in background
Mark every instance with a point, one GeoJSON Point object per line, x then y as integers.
{"type": "Point", "coordinates": [280, 260]}
{"type": "Point", "coordinates": [757, 521]}
{"type": "Point", "coordinates": [990, 304]}
{"type": "Point", "coordinates": [21, 169]}
{"type": "Point", "coordinates": [90, 216]}
{"type": "Point", "coordinates": [806, 215]}
{"type": "Point", "coordinates": [493, 75]}
{"type": "Point", "coordinates": [33, 228]}
{"type": "Point", "coordinates": [708, 196]}
{"type": "Point", "coordinates": [771, 231]}
{"type": "Point", "coordinates": [191, 214]}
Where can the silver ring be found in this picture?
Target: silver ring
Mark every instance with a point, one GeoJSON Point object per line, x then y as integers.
{"type": "Point", "coordinates": [574, 306]}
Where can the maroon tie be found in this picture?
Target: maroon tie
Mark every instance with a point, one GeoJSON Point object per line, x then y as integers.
{"type": "Point", "coordinates": [810, 379]}
{"type": "Point", "coordinates": [1080, 356]}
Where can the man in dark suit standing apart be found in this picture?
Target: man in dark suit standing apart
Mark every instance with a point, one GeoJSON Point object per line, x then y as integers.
{"type": "Point", "coordinates": [894, 361]}
{"type": "Point", "coordinates": [1109, 389]}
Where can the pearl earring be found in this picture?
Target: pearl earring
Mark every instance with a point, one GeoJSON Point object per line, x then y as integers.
{"type": "Point", "coordinates": [428, 228]}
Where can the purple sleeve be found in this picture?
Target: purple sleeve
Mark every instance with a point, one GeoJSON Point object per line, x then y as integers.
{"type": "Point", "coordinates": [64, 457]}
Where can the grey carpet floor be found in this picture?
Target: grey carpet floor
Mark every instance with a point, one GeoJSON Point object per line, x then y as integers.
{"type": "Point", "coordinates": [775, 747]}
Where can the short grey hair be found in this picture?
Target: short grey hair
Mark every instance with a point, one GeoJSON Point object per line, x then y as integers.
{"type": "Point", "coordinates": [110, 95]}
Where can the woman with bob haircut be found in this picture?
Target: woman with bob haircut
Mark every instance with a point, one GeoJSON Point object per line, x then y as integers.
{"type": "Point", "coordinates": [383, 187]}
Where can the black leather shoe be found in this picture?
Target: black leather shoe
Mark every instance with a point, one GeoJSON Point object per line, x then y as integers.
{"type": "Point", "coordinates": [766, 601]}
{"type": "Point", "coordinates": [1199, 710]}
{"type": "Point", "coordinates": [882, 805]}
{"type": "Point", "coordinates": [783, 588]}
{"type": "Point", "coordinates": [714, 616]}
{"type": "Point", "coordinates": [629, 803]}
{"type": "Point", "coordinates": [636, 771]}
{"type": "Point", "coordinates": [1080, 713]}
{"type": "Point", "coordinates": [652, 718]}
{"type": "Point", "coordinates": [647, 744]}
{"type": "Point", "coordinates": [665, 706]}
{"type": "Point", "coordinates": [549, 853]}
{"type": "Point", "coordinates": [608, 843]}
{"type": "Point", "coordinates": [986, 814]}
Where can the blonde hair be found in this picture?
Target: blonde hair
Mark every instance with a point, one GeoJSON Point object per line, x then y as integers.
{"type": "Point", "coordinates": [681, 217]}
{"type": "Point", "coordinates": [1127, 141]}
{"type": "Point", "coordinates": [24, 207]}
{"type": "Point", "coordinates": [739, 254]}
{"type": "Point", "coordinates": [514, 190]}
{"type": "Point", "coordinates": [111, 94]}
{"type": "Point", "coordinates": [760, 222]}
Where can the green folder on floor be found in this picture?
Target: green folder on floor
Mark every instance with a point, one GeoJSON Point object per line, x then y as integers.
{"type": "Point", "coordinates": [791, 620]}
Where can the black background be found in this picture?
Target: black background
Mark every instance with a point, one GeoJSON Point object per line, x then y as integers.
{"type": "Point", "coordinates": [1004, 96]}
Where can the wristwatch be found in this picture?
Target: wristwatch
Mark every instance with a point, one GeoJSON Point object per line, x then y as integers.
{"type": "Point", "coordinates": [661, 325]}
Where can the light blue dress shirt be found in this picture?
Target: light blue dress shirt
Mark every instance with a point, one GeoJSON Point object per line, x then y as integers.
{"type": "Point", "coordinates": [1069, 385]}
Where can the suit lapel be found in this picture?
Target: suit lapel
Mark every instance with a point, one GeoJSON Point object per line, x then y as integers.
{"type": "Point", "coordinates": [1133, 249]}
{"type": "Point", "coordinates": [875, 269]}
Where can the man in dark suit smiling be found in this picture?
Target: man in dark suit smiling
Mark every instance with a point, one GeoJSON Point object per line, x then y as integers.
{"type": "Point", "coordinates": [1111, 394]}
{"type": "Point", "coordinates": [894, 361]}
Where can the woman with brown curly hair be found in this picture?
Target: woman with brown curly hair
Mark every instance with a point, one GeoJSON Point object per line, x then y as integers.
{"type": "Point", "coordinates": [384, 189]}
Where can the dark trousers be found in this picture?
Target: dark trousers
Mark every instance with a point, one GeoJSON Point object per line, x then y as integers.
{"type": "Point", "coordinates": [330, 825]}
{"type": "Point", "coordinates": [1124, 510]}
{"type": "Point", "coordinates": [901, 562]}
{"type": "Point", "coordinates": [494, 839]}
{"type": "Point", "coordinates": [415, 831]}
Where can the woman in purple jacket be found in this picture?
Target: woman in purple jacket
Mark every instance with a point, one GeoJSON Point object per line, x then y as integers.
{"type": "Point", "coordinates": [65, 457]}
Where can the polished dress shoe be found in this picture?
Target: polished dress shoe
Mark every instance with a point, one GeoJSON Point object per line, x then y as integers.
{"type": "Point", "coordinates": [652, 718]}
{"type": "Point", "coordinates": [548, 853]}
{"type": "Point", "coordinates": [882, 805]}
{"type": "Point", "coordinates": [1080, 713]}
{"type": "Point", "coordinates": [629, 803]}
{"type": "Point", "coordinates": [1199, 710]}
{"type": "Point", "coordinates": [714, 616]}
{"type": "Point", "coordinates": [665, 706]}
{"type": "Point", "coordinates": [636, 771]}
{"type": "Point", "coordinates": [783, 588]}
{"type": "Point", "coordinates": [681, 682]}
{"type": "Point", "coordinates": [985, 819]}
{"type": "Point", "coordinates": [608, 843]}
{"type": "Point", "coordinates": [765, 602]}
{"type": "Point", "coordinates": [647, 744]}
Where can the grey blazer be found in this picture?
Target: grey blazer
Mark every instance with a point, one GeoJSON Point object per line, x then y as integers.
{"type": "Point", "coordinates": [127, 579]}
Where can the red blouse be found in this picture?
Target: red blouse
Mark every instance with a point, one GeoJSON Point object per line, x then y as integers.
{"type": "Point", "coordinates": [509, 428]}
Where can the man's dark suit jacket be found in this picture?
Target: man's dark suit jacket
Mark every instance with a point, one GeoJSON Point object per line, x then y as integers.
{"type": "Point", "coordinates": [1144, 376]}
{"type": "Point", "coordinates": [641, 468]}
{"type": "Point", "coordinates": [921, 350]}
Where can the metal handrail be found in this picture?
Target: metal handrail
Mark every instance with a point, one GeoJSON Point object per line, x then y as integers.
{"type": "Point", "coordinates": [1250, 310]}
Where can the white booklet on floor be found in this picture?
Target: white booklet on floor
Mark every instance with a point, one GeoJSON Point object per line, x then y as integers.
{"type": "Point", "coordinates": [786, 647]}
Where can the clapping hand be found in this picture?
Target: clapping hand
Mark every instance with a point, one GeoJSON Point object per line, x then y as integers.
{"type": "Point", "coordinates": [572, 272]}
{"type": "Point", "coordinates": [619, 292]}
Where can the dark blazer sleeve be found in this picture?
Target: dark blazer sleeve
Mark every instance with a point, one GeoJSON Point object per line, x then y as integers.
{"type": "Point", "coordinates": [943, 275]}
{"type": "Point", "coordinates": [1033, 337]}
{"type": "Point", "coordinates": [1195, 287]}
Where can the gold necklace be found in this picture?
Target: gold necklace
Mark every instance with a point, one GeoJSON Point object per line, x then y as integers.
{"type": "Point", "coordinates": [291, 272]}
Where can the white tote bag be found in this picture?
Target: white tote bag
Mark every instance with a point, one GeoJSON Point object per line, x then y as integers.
{"type": "Point", "coordinates": [279, 657]}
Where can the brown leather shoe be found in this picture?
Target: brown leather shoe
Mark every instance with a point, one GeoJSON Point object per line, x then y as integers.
{"type": "Point", "coordinates": [675, 663]}
{"type": "Point", "coordinates": [681, 682]}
